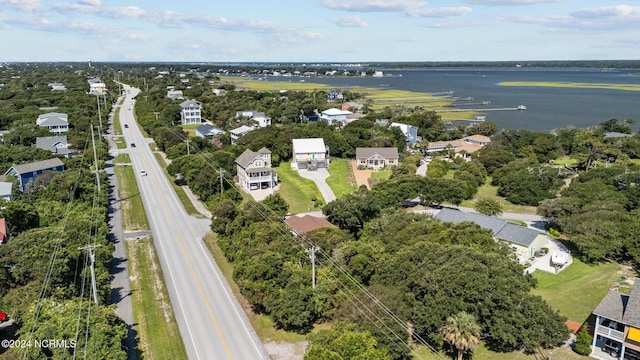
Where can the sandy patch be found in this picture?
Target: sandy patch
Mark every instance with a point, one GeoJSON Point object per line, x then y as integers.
{"type": "Point", "coordinates": [362, 176]}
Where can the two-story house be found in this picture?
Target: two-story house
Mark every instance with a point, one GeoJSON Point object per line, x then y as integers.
{"type": "Point", "coordinates": [254, 170]}
{"type": "Point", "coordinates": [410, 132]}
{"type": "Point", "coordinates": [310, 154]}
{"type": "Point", "coordinates": [334, 115]}
{"type": "Point", "coordinates": [191, 112]}
{"type": "Point", "coordinates": [616, 333]}
{"type": "Point", "coordinates": [56, 122]}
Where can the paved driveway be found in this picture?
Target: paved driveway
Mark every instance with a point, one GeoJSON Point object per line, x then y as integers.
{"type": "Point", "coordinates": [320, 178]}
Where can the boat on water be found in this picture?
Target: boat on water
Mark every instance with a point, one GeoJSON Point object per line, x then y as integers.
{"type": "Point", "coordinates": [521, 107]}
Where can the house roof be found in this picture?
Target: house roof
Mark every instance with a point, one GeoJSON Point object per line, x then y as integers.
{"type": "Point", "coordinates": [334, 112]}
{"type": "Point", "coordinates": [387, 152]}
{"type": "Point", "coordinates": [314, 145]}
{"type": "Point", "coordinates": [190, 103]}
{"type": "Point", "coordinates": [5, 188]}
{"type": "Point", "coordinates": [50, 142]}
{"type": "Point", "coordinates": [501, 229]}
{"type": "Point", "coordinates": [247, 158]}
{"type": "Point", "coordinates": [36, 166]}
{"type": "Point", "coordinates": [53, 121]}
{"type": "Point", "coordinates": [207, 129]}
{"type": "Point", "coordinates": [632, 310]}
{"type": "Point", "coordinates": [241, 130]}
{"type": "Point", "coordinates": [478, 138]}
{"type": "Point", "coordinates": [612, 306]}
{"type": "Point", "coordinates": [306, 223]}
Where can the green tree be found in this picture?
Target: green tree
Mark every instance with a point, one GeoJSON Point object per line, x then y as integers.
{"type": "Point", "coordinates": [583, 341]}
{"type": "Point", "coordinates": [462, 332]}
{"type": "Point", "coordinates": [488, 206]}
{"type": "Point", "coordinates": [344, 342]}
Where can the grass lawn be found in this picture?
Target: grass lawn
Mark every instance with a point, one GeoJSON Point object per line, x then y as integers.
{"type": "Point", "coordinates": [482, 353]}
{"type": "Point", "coordinates": [182, 195]}
{"type": "Point", "coordinates": [578, 289]}
{"type": "Point", "coordinates": [566, 160]}
{"type": "Point", "coordinates": [120, 143]}
{"type": "Point", "coordinates": [116, 121]}
{"type": "Point", "coordinates": [491, 192]}
{"type": "Point", "coordinates": [380, 174]}
{"type": "Point", "coordinates": [341, 179]}
{"type": "Point", "coordinates": [297, 191]}
{"type": "Point", "coordinates": [158, 333]}
{"type": "Point", "coordinates": [122, 159]}
{"type": "Point", "coordinates": [133, 215]}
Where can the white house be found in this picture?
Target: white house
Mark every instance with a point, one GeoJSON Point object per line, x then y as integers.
{"type": "Point", "coordinates": [254, 170]}
{"type": "Point", "coordinates": [377, 158]}
{"type": "Point", "coordinates": [335, 115]}
{"type": "Point", "coordinates": [174, 94]}
{"type": "Point", "coordinates": [191, 112]}
{"type": "Point", "coordinates": [5, 190]}
{"type": "Point", "coordinates": [239, 132]}
{"type": "Point", "coordinates": [219, 92]}
{"type": "Point", "coordinates": [206, 130]}
{"type": "Point", "coordinates": [256, 116]}
{"type": "Point", "coordinates": [310, 154]}
{"type": "Point", "coordinates": [410, 132]}
{"type": "Point", "coordinates": [56, 122]}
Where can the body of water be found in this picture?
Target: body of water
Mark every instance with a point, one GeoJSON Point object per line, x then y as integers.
{"type": "Point", "coordinates": [547, 107]}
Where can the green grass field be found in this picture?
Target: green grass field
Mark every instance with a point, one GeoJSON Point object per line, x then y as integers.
{"type": "Point", "coordinates": [133, 214]}
{"type": "Point", "coordinates": [482, 353]}
{"type": "Point", "coordinates": [122, 159]}
{"type": "Point", "coordinates": [380, 174]}
{"type": "Point", "coordinates": [158, 333]}
{"type": "Point", "coordinates": [491, 192]}
{"type": "Point", "coordinates": [341, 179]}
{"type": "Point", "coordinates": [297, 191]}
{"type": "Point", "coordinates": [578, 289]}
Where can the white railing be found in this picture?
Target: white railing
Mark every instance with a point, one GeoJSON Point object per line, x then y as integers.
{"type": "Point", "coordinates": [611, 333]}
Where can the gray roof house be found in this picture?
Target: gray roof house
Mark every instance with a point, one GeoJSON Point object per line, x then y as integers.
{"type": "Point", "coordinates": [55, 122]}
{"type": "Point", "coordinates": [191, 112]}
{"type": "Point", "coordinates": [254, 170]}
{"type": "Point", "coordinates": [617, 325]}
{"type": "Point", "coordinates": [523, 241]}
{"type": "Point", "coordinates": [58, 145]}
{"type": "Point", "coordinates": [239, 132]}
{"type": "Point", "coordinates": [26, 173]}
{"type": "Point", "coordinates": [6, 190]}
{"type": "Point", "coordinates": [207, 130]}
{"type": "Point", "coordinates": [377, 158]}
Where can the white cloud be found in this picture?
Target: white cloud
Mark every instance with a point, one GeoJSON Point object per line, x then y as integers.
{"type": "Point", "coordinates": [593, 19]}
{"type": "Point", "coordinates": [441, 12]}
{"type": "Point", "coordinates": [90, 2]}
{"type": "Point", "coordinates": [25, 5]}
{"type": "Point", "coordinates": [348, 21]}
{"type": "Point", "coordinates": [108, 12]}
{"type": "Point", "coordinates": [375, 5]}
{"type": "Point", "coordinates": [510, 2]}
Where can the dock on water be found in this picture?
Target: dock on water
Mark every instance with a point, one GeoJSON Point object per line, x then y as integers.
{"type": "Point", "coordinates": [517, 108]}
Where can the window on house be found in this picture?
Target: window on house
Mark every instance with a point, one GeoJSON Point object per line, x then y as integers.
{"type": "Point", "coordinates": [258, 163]}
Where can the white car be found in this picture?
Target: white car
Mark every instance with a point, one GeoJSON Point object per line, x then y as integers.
{"type": "Point", "coordinates": [143, 172]}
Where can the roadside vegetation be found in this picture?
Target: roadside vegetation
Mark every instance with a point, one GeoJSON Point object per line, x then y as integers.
{"type": "Point", "coordinates": [133, 214]}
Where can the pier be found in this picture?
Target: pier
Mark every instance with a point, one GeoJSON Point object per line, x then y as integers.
{"type": "Point", "coordinates": [517, 108]}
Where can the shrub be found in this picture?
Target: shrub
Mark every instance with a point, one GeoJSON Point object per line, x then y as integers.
{"type": "Point", "coordinates": [583, 341]}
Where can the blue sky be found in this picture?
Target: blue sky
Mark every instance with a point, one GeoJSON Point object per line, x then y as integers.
{"type": "Point", "coordinates": [318, 30]}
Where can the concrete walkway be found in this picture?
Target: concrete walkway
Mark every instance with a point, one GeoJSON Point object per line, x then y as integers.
{"type": "Point", "coordinates": [320, 178]}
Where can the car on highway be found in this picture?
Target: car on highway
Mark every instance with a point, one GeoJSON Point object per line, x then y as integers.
{"type": "Point", "coordinates": [126, 126]}
{"type": "Point", "coordinates": [143, 172]}
{"type": "Point", "coordinates": [133, 144]}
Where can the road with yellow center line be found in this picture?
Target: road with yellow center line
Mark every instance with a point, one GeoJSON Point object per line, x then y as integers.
{"type": "Point", "coordinates": [211, 321]}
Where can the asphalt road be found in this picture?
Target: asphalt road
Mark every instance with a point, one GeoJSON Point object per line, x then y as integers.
{"type": "Point", "coordinates": [211, 321]}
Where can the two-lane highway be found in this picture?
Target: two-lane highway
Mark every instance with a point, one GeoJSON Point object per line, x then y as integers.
{"type": "Point", "coordinates": [211, 321]}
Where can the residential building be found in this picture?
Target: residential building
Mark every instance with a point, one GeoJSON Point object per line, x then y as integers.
{"type": "Point", "coordinates": [334, 95]}
{"type": "Point", "coordinates": [377, 158]}
{"type": "Point", "coordinates": [191, 112]}
{"type": "Point", "coordinates": [4, 231]}
{"type": "Point", "coordinates": [410, 132]}
{"type": "Point", "coordinates": [616, 333]}
{"type": "Point", "coordinates": [461, 147]}
{"type": "Point", "coordinates": [207, 130]}
{"type": "Point", "coordinates": [334, 115]}
{"type": "Point", "coordinates": [254, 170]}
{"type": "Point", "coordinates": [522, 241]}
{"type": "Point", "coordinates": [26, 173]}
{"type": "Point", "coordinates": [352, 106]}
{"type": "Point", "coordinates": [97, 88]}
{"type": "Point", "coordinates": [239, 132]}
{"type": "Point", "coordinates": [219, 92]}
{"type": "Point", "coordinates": [56, 122]}
{"type": "Point", "coordinates": [57, 87]}
{"type": "Point", "coordinates": [310, 154]}
{"type": "Point", "coordinates": [58, 145]}
{"type": "Point", "coordinates": [6, 189]}
{"type": "Point", "coordinates": [303, 224]}
{"type": "Point", "coordinates": [174, 94]}
{"type": "Point", "coordinates": [256, 116]}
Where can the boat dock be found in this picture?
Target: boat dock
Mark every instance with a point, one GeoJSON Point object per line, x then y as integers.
{"type": "Point", "coordinates": [518, 108]}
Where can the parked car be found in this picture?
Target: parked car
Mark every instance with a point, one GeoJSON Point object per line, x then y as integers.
{"type": "Point", "coordinates": [611, 347]}
{"type": "Point", "coordinates": [143, 172]}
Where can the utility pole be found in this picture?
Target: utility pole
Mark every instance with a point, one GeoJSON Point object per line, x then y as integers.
{"type": "Point", "coordinates": [92, 259]}
{"type": "Point", "coordinates": [312, 255]}
{"type": "Point", "coordinates": [221, 183]}
{"type": "Point", "coordinates": [95, 159]}
{"type": "Point", "coordinates": [99, 113]}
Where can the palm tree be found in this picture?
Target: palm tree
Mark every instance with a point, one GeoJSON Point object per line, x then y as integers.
{"type": "Point", "coordinates": [461, 331]}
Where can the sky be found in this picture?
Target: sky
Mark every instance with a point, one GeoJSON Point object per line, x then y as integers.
{"type": "Point", "coordinates": [318, 30]}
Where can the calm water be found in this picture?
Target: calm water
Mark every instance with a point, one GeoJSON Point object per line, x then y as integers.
{"type": "Point", "coordinates": [547, 108]}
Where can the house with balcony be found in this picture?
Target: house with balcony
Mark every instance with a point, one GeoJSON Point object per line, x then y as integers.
{"type": "Point", "coordinates": [376, 158]}
{"type": "Point", "coordinates": [310, 154]}
{"type": "Point", "coordinates": [191, 112]}
{"type": "Point", "coordinates": [616, 333]}
{"type": "Point", "coordinates": [254, 170]}
{"type": "Point", "coordinates": [56, 122]}
{"type": "Point", "coordinates": [333, 116]}
{"type": "Point", "coordinates": [410, 132]}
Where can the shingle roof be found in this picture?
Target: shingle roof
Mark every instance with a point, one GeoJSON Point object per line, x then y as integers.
{"type": "Point", "coordinates": [388, 152]}
{"type": "Point", "coordinates": [612, 306]}
{"type": "Point", "coordinates": [501, 229]}
{"type": "Point", "coordinates": [246, 158]}
{"type": "Point", "coordinates": [190, 103]}
{"type": "Point", "coordinates": [632, 310]}
{"type": "Point", "coordinates": [241, 130]}
{"type": "Point", "coordinates": [37, 165]}
{"type": "Point", "coordinates": [207, 129]}
{"type": "Point", "coordinates": [306, 223]}
{"type": "Point", "coordinates": [49, 143]}
{"type": "Point", "coordinates": [5, 188]}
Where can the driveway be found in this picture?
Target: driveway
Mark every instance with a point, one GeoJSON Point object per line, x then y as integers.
{"type": "Point", "coordinates": [320, 178]}
{"type": "Point", "coordinates": [544, 262]}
